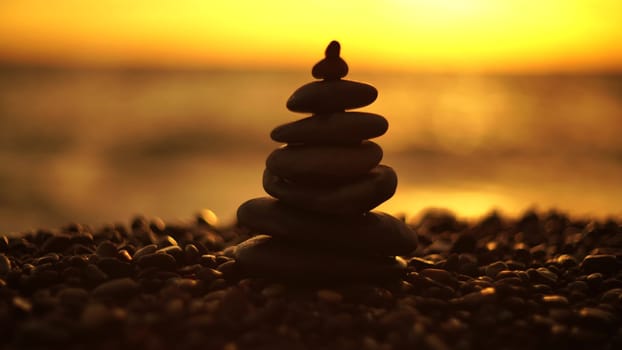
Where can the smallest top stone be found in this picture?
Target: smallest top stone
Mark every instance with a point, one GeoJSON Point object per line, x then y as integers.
{"type": "Point", "coordinates": [332, 67]}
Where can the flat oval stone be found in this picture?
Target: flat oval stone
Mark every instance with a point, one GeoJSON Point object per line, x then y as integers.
{"type": "Point", "coordinates": [372, 232]}
{"type": "Point", "coordinates": [355, 197]}
{"type": "Point", "coordinates": [317, 162]}
{"type": "Point", "coordinates": [332, 128]}
{"type": "Point", "coordinates": [331, 96]}
{"type": "Point", "coordinates": [265, 256]}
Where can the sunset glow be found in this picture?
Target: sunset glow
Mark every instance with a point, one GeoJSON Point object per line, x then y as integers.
{"type": "Point", "coordinates": [433, 35]}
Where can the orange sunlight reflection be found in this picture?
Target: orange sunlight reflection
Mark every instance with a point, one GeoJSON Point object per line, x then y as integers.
{"type": "Point", "coordinates": [466, 203]}
{"type": "Point", "coordinates": [510, 35]}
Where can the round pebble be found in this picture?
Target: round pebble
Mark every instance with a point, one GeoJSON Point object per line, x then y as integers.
{"type": "Point", "coordinates": [148, 249]}
{"type": "Point", "coordinates": [493, 269]}
{"type": "Point", "coordinates": [115, 268]}
{"type": "Point", "coordinates": [329, 296]}
{"type": "Point", "coordinates": [5, 265]}
{"type": "Point", "coordinates": [191, 254]}
{"type": "Point", "coordinates": [554, 300]}
{"type": "Point", "coordinates": [332, 67]}
{"type": "Point", "coordinates": [57, 243]}
{"type": "Point", "coordinates": [122, 288]}
{"type": "Point", "coordinates": [158, 260]}
{"type": "Point", "coordinates": [106, 249]}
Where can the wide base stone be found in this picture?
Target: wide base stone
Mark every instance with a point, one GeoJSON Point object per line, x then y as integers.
{"type": "Point", "coordinates": [371, 233]}
{"type": "Point", "coordinates": [265, 256]}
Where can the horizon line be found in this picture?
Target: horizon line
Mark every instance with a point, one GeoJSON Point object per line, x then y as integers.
{"type": "Point", "coordinates": [7, 65]}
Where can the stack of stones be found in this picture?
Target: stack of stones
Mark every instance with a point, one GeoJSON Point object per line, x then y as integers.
{"type": "Point", "coordinates": [326, 180]}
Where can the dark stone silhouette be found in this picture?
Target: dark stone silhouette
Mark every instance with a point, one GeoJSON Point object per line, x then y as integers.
{"type": "Point", "coordinates": [326, 180]}
{"type": "Point", "coordinates": [332, 66]}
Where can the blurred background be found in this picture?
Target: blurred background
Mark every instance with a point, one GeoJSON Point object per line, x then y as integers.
{"type": "Point", "coordinates": [114, 108]}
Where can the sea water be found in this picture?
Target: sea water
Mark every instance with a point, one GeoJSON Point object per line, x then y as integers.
{"type": "Point", "coordinates": [99, 146]}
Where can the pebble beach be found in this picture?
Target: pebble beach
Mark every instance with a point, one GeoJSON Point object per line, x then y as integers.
{"type": "Point", "coordinates": [450, 180]}
{"type": "Point", "coordinates": [314, 267]}
{"type": "Point", "coordinates": [543, 280]}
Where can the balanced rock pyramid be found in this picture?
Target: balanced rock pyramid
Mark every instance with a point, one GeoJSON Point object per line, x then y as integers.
{"type": "Point", "coordinates": [325, 181]}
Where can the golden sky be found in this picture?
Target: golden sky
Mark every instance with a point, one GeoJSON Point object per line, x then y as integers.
{"type": "Point", "coordinates": [438, 35]}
